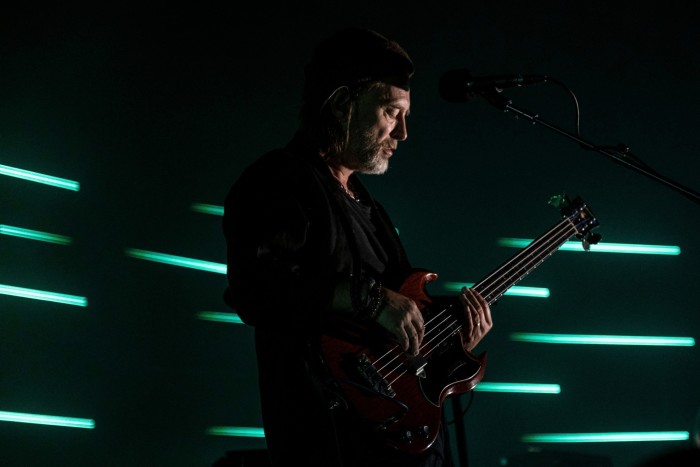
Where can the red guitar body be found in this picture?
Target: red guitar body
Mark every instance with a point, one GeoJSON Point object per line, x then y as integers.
{"type": "Point", "coordinates": [398, 395]}
{"type": "Point", "coordinates": [401, 396]}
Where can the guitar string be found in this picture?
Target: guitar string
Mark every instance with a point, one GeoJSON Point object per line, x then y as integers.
{"type": "Point", "coordinates": [400, 352]}
{"type": "Point", "coordinates": [544, 247]}
{"type": "Point", "coordinates": [454, 326]}
{"type": "Point", "coordinates": [549, 249]}
{"type": "Point", "coordinates": [550, 246]}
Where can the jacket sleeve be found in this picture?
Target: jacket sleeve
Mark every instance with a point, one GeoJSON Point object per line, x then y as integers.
{"type": "Point", "coordinates": [276, 274]}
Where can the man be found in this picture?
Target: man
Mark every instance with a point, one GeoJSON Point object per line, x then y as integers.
{"type": "Point", "coordinates": [308, 246]}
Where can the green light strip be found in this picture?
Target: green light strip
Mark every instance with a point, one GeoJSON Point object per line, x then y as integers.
{"type": "Point", "coordinates": [177, 260]}
{"type": "Point", "coordinates": [220, 317]}
{"type": "Point", "coordinates": [43, 295]}
{"type": "Point", "coordinates": [601, 339]}
{"type": "Point", "coordinates": [34, 235]}
{"type": "Point", "coordinates": [519, 388]}
{"type": "Point", "coordinates": [601, 247]}
{"type": "Point", "coordinates": [37, 419]}
{"type": "Point", "coordinates": [536, 292]}
{"type": "Point", "coordinates": [39, 178]}
{"type": "Point", "coordinates": [624, 437]}
{"type": "Point", "coordinates": [245, 432]}
{"type": "Point", "coordinates": [208, 209]}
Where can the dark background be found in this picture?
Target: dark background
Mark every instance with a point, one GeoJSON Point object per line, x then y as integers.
{"type": "Point", "coordinates": [153, 109]}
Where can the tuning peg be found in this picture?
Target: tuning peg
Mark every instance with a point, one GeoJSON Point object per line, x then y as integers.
{"type": "Point", "coordinates": [590, 239]}
{"type": "Point", "coordinates": [559, 201]}
{"type": "Point", "coordinates": [594, 238]}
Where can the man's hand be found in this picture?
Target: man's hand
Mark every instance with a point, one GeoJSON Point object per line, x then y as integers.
{"type": "Point", "coordinates": [402, 318]}
{"type": "Point", "coordinates": [477, 318]}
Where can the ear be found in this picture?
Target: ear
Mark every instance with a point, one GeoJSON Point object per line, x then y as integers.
{"type": "Point", "coordinates": [339, 102]}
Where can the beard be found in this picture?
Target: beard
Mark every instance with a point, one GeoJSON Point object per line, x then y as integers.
{"type": "Point", "coordinates": [365, 155]}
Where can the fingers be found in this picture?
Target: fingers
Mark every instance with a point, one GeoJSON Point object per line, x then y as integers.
{"type": "Point", "coordinates": [409, 337]}
{"type": "Point", "coordinates": [477, 316]}
{"type": "Point", "coordinates": [413, 340]}
{"type": "Point", "coordinates": [477, 309]}
{"type": "Point", "coordinates": [404, 320]}
{"type": "Point", "coordinates": [414, 331]}
{"type": "Point", "coordinates": [418, 326]}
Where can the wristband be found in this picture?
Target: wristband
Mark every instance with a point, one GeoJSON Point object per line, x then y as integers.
{"type": "Point", "coordinates": [374, 301]}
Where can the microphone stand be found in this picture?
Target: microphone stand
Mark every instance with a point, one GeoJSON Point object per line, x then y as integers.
{"type": "Point", "coordinates": [624, 157]}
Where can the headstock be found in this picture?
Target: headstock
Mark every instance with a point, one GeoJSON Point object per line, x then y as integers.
{"type": "Point", "coordinates": [580, 216]}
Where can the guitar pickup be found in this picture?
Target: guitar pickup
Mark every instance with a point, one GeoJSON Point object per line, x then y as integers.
{"type": "Point", "coordinates": [417, 365]}
{"type": "Point", "coordinates": [376, 382]}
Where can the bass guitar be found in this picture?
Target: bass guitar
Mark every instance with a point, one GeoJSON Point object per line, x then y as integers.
{"type": "Point", "coordinates": [401, 396]}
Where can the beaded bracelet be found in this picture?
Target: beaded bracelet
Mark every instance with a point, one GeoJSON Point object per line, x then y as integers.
{"type": "Point", "coordinates": [374, 301]}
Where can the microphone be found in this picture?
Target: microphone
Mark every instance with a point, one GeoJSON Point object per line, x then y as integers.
{"type": "Point", "coordinates": [462, 86]}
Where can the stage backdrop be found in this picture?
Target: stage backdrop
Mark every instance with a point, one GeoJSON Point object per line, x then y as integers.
{"type": "Point", "coordinates": [121, 132]}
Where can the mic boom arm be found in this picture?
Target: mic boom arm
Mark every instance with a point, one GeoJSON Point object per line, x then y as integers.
{"type": "Point", "coordinates": [625, 157]}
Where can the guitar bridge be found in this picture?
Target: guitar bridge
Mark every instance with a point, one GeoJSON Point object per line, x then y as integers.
{"type": "Point", "coordinates": [375, 381]}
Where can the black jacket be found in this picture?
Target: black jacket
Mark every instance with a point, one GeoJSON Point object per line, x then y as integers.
{"type": "Point", "coordinates": [290, 237]}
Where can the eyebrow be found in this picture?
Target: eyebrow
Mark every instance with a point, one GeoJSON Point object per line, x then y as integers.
{"type": "Point", "coordinates": [386, 99]}
{"type": "Point", "coordinates": [395, 103]}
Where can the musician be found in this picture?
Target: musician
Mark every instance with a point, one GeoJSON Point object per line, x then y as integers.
{"type": "Point", "coordinates": [307, 243]}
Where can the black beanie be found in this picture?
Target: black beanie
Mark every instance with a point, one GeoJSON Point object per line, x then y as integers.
{"type": "Point", "coordinates": [353, 56]}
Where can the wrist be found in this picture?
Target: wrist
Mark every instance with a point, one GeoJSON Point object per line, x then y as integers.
{"type": "Point", "coordinates": [368, 298]}
{"type": "Point", "coordinates": [377, 302]}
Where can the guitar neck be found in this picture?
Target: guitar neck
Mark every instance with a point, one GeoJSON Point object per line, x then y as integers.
{"type": "Point", "coordinates": [494, 285]}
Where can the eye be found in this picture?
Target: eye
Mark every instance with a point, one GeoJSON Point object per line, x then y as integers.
{"type": "Point", "coordinates": [393, 112]}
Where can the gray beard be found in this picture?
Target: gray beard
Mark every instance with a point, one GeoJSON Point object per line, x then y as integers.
{"type": "Point", "coordinates": [368, 157]}
{"type": "Point", "coordinates": [372, 162]}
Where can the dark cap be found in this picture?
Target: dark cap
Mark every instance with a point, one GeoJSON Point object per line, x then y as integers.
{"type": "Point", "coordinates": [353, 56]}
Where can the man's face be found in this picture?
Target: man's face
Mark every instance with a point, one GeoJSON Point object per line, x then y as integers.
{"type": "Point", "coordinates": [377, 124]}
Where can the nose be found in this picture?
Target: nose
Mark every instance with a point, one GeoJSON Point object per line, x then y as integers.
{"type": "Point", "coordinates": [400, 132]}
